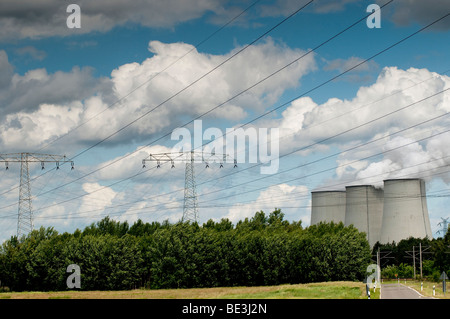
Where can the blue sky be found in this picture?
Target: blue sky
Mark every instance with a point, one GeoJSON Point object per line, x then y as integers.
{"type": "Point", "coordinates": [62, 92]}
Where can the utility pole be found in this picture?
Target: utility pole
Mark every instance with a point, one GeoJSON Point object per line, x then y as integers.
{"type": "Point", "coordinates": [422, 250]}
{"type": "Point", "coordinates": [190, 206]}
{"type": "Point", "coordinates": [378, 267]}
{"type": "Point", "coordinates": [414, 263]}
{"type": "Point", "coordinates": [420, 259]}
{"type": "Point", "coordinates": [25, 211]}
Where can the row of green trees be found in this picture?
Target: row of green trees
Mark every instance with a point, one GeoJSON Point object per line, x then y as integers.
{"type": "Point", "coordinates": [397, 258]}
{"type": "Point", "coordinates": [262, 250]}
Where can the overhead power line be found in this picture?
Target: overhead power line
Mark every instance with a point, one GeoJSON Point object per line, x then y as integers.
{"type": "Point", "coordinates": [169, 133]}
{"type": "Point", "coordinates": [334, 168]}
{"type": "Point", "coordinates": [25, 212]}
{"type": "Point", "coordinates": [162, 206]}
{"type": "Point", "coordinates": [352, 148]}
{"type": "Point", "coordinates": [190, 207]}
{"type": "Point", "coordinates": [196, 46]}
{"type": "Point", "coordinates": [309, 175]}
{"type": "Point", "coordinates": [194, 82]}
{"type": "Point", "coordinates": [391, 46]}
{"type": "Point", "coordinates": [171, 97]}
{"type": "Point", "coordinates": [444, 224]}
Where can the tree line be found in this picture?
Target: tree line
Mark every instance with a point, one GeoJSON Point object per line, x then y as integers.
{"type": "Point", "coordinates": [112, 255]}
{"type": "Point", "coordinates": [398, 258]}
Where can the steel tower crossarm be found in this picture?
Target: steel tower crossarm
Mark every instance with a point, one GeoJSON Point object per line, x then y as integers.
{"type": "Point", "coordinates": [186, 157]}
{"type": "Point", "coordinates": [25, 211]}
{"type": "Point", "coordinates": [190, 207]}
{"type": "Point", "coordinates": [33, 158]}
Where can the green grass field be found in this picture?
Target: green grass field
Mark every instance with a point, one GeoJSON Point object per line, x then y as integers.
{"type": "Point", "coordinates": [326, 290]}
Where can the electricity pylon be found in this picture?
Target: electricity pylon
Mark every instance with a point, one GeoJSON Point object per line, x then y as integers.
{"type": "Point", "coordinates": [444, 224]}
{"type": "Point", "coordinates": [190, 206]}
{"type": "Point", "coordinates": [25, 213]}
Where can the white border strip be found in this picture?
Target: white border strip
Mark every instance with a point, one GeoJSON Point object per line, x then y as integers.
{"type": "Point", "coordinates": [415, 291]}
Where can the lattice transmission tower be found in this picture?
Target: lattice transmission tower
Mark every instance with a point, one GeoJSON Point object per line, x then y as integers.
{"type": "Point", "coordinates": [25, 211]}
{"type": "Point", "coordinates": [190, 205]}
{"type": "Point", "coordinates": [444, 224]}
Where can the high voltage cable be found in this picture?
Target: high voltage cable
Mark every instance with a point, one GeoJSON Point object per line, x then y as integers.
{"type": "Point", "coordinates": [167, 134]}
{"type": "Point", "coordinates": [309, 91]}
{"type": "Point", "coordinates": [387, 48]}
{"type": "Point", "coordinates": [334, 186]}
{"type": "Point", "coordinates": [185, 88]}
{"type": "Point", "coordinates": [174, 95]}
{"type": "Point", "coordinates": [102, 188]}
{"type": "Point", "coordinates": [333, 168]}
{"type": "Point", "coordinates": [155, 75]}
{"type": "Point", "coordinates": [377, 175]}
{"type": "Point", "coordinates": [194, 82]}
{"type": "Point", "coordinates": [352, 148]}
{"type": "Point", "coordinates": [99, 189]}
{"type": "Point", "coordinates": [329, 168]}
{"type": "Point", "coordinates": [337, 76]}
{"type": "Point", "coordinates": [142, 84]}
{"type": "Point", "coordinates": [339, 166]}
{"type": "Point", "coordinates": [284, 195]}
{"type": "Point", "coordinates": [269, 76]}
{"type": "Point", "coordinates": [222, 205]}
{"type": "Point", "coordinates": [367, 104]}
{"type": "Point", "coordinates": [282, 156]}
{"type": "Point", "coordinates": [165, 209]}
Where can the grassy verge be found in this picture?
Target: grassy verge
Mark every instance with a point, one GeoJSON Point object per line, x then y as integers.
{"type": "Point", "coordinates": [373, 294]}
{"type": "Point", "coordinates": [333, 290]}
{"type": "Point", "coordinates": [427, 289]}
{"type": "Point", "coordinates": [326, 290]}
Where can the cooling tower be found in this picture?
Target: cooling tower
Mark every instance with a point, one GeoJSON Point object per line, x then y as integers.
{"type": "Point", "coordinates": [405, 212]}
{"type": "Point", "coordinates": [364, 210]}
{"type": "Point", "coordinates": [327, 206]}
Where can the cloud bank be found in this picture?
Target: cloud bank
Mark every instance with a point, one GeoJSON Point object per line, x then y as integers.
{"type": "Point", "coordinates": [156, 95]}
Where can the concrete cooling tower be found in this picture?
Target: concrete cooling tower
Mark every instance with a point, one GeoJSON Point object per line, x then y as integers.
{"type": "Point", "coordinates": [327, 206]}
{"type": "Point", "coordinates": [364, 210]}
{"type": "Point", "coordinates": [405, 212]}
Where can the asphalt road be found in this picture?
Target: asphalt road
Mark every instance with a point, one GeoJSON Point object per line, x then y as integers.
{"type": "Point", "coordinates": [400, 291]}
